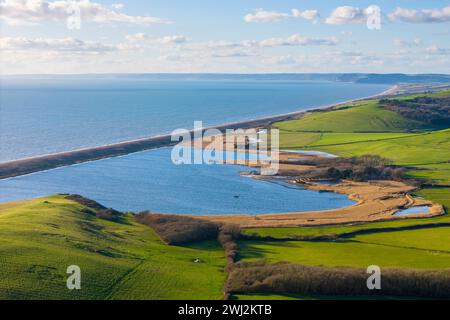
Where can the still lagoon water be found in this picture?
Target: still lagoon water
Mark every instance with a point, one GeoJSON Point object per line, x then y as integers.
{"type": "Point", "coordinates": [150, 181]}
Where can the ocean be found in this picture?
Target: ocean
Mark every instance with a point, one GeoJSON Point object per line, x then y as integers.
{"type": "Point", "coordinates": [45, 115]}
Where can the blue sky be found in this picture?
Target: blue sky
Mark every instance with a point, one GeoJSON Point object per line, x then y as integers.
{"type": "Point", "coordinates": [228, 36]}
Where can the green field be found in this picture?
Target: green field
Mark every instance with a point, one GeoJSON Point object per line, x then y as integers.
{"type": "Point", "coordinates": [361, 251]}
{"type": "Point", "coordinates": [293, 233]}
{"type": "Point", "coordinates": [365, 116]}
{"type": "Point", "coordinates": [40, 238]}
{"type": "Point", "coordinates": [440, 195]}
{"type": "Point", "coordinates": [368, 128]}
{"type": "Point", "coordinates": [288, 297]}
{"type": "Point", "coordinates": [365, 128]}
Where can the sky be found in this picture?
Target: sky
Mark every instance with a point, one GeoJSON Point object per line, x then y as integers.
{"type": "Point", "coordinates": [233, 36]}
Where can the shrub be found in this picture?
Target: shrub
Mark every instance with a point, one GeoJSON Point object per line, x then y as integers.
{"type": "Point", "coordinates": [95, 208]}
{"type": "Point", "coordinates": [177, 229]}
{"type": "Point", "coordinates": [228, 235]}
{"type": "Point", "coordinates": [434, 111]}
{"type": "Point", "coordinates": [260, 277]}
{"type": "Point", "coordinates": [362, 168]}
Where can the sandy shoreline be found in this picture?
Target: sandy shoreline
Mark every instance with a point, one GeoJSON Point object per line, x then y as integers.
{"type": "Point", "coordinates": [29, 165]}
{"type": "Point", "coordinates": [376, 201]}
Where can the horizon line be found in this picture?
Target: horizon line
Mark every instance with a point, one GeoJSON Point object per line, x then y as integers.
{"type": "Point", "coordinates": [220, 73]}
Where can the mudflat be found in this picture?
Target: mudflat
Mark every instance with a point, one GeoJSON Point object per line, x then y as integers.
{"type": "Point", "coordinates": [376, 201]}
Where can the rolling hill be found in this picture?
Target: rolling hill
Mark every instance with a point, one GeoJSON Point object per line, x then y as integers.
{"type": "Point", "coordinates": [40, 238]}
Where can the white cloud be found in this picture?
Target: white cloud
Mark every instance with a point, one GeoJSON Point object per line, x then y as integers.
{"type": "Point", "coordinates": [173, 39]}
{"type": "Point", "coordinates": [31, 12]}
{"type": "Point", "coordinates": [171, 57]}
{"type": "Point", "coordinates": [281, 60]}
{"type": "Point", "coordinates": [297, 40]}
{"type": "Point", "coordinates": [232, 54]}
{"type": "Point", "coordinates": [293, 40]}
{"type": "Point", "coordinates": [434, 49]}
{"type": "Point", "coordinates": [143, 38]}
{"type": "Point", "coordinates": [225, 44]}
{"type": "Point", "coordinates": [311, 15]}
{"type": "Point", "coordinates": [137, 37]}
{"type": "Point", "coordinates": [421, 16]}
{"type": "Point", "coordinates": [66, 45]}
{"type": "Point", "coordinates": [118, 6]}
{"type": "Point", "coordinates": [407, 43]}
{"type": "Point", "coordinates": [261, 15]}
{"type": "Point", "coordinates": [347, 15]}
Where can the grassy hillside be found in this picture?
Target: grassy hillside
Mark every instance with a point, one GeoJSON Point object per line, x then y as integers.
{"type": "Point", "coordinates": [40, 238]}
{"type": "Point", "coordinates": [354, 130]}
{"type": "Point", "coordinates": [299, 232]}
{"type": "Point", "coordinates": [368, 128]}
{"type": "Point", "coordinates": [125, 259]}
{"type": "Point", "coordinates": [426, 248]}
{"type": "Point", "coordinates": [422, 149]}
{"type": "Point", "coordinates": [365, 116]}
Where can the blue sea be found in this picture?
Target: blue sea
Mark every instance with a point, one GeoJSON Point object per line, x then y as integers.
{"type": "Point", "coordinates": [47, 115]}
{"type": "Point", "coordinates": [44, 115]}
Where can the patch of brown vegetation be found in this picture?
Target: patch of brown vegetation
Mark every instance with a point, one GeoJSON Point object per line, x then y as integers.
{"type": "Point", "coordinates": [228, 235]}
{"type": "Point", "coordinates": [376, 201]}
{"type": "Point", "coordinates": [178, 229]}
{"type": "Point", "coordinates": [97, 209]}
{"type": "Point", "coordinates": [260, 277]}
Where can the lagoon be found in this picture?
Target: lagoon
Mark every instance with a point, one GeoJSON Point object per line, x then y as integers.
{"type": "Point", "coordinates": [150, 181]}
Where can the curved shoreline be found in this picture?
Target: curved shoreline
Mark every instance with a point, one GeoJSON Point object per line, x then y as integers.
{"type": "Point", "coordinates": [375, 201]}
{"type": "Point", "coordinates": [35, 164]}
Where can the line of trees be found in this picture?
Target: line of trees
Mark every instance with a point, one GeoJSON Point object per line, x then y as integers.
{"type": "Point", "coordinates": [361, 168]}
{"type": "Point", "coordinates": [431, 110]}
{"type": "Point", "coordinates": [283, 278]}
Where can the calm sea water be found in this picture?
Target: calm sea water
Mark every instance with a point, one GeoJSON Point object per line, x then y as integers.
{"type": "Point", "coordinates": [41, 116]}
{"type": "Point", "coordinates": [149, 181]}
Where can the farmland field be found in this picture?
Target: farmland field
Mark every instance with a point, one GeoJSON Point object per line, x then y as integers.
{"type": "Point", "coordinates": [368, 128]}
{"type": "Point", "coordinates": [360, 129]}
{"type": "Point", "coordinates": [284, 233]}
{"type": "Point", "coordinates": [363, 117]}
{"type": "Point", "coordinates": [123, 260]}
{"type": "Point", "coordinates": [428, 248]}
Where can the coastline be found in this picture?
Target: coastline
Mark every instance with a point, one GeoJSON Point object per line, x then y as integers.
{"type": "Point", "coordinates": [375, 201]}
{"type": "Point", "coordinates": [35, 164]}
